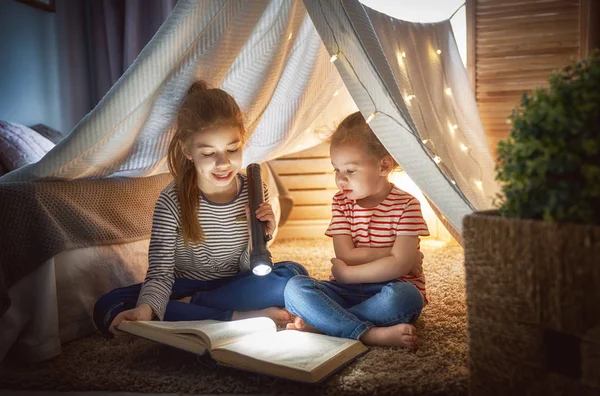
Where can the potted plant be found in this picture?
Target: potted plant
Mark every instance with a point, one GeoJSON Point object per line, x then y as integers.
{"type": "Point", "coordinates": [533, 266]}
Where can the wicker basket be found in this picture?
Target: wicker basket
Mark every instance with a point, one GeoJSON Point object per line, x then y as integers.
{"type": "Point", "coordinates": [533, 303]}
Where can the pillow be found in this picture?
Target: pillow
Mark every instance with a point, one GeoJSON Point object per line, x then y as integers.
{"type": "Point", "coordinates": [49, 133]}
{"type": "Point", "coordinates": [20, 145]}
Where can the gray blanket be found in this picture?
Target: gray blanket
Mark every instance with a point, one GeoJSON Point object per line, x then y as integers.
{"type": "Point", "coordinates": [41, 219]}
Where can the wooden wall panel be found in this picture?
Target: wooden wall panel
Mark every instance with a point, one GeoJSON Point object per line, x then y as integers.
{"type": "Point", "coordinates": [309, 177]}
{"type": "Point", "coordinates": [513, 46]}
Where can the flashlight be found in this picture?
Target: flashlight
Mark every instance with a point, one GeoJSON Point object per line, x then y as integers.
{"type": "Point", "coordinates": [261, 262]}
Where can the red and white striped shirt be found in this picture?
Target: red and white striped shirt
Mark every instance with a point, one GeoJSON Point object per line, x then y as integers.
{"type": "Point", "coordinates": [399, 214]}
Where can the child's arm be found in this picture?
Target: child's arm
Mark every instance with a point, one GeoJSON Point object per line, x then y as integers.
{"type": "Point", "coordinates": [160, 276]}
{"type": "Point", "coordinates": [401, 262]}
{"type": "Point", "coordinates": [351, 255]}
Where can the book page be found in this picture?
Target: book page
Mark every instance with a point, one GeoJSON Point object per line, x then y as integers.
{"type": "Point", "coordinates": [223, 333]}
{"type": "Point", "coordinates": [293, 349]}
{"type": "Point", "coordinates": [214, 333]}
{"type": "Point", "coordinates": [208, 333]}
{"type": "Point", "coordinates": [162, 332]}
{"type": "Point", "coordinates": [193, 325]}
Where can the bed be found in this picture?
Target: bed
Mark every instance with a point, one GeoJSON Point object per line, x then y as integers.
{"type": "Point", "coordinates": [65, 244]}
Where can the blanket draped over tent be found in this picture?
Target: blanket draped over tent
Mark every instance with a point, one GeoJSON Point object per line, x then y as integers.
{"type": "Point", "coordinates": [295, 67]}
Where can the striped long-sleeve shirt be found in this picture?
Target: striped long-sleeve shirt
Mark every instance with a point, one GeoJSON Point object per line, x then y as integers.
{"type": "Point", "coordinates": [399, 214]}
{"type": "Point", "coordinates": [223, 253]}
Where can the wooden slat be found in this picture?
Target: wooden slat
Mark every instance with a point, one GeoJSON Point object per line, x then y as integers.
{"type": "Point", "coordinates": [540, 36]}
{"type": "Point", "coordinates": [302, 165]}
{"type": "Point", "coordinates": [309, 182]}
{"type": "Point", "coordinates": [511, 86]}
{"type": "Point", "coordinates": [501, 102]}
{"type": "Point", "coordinates": [560, 27]}
{"type": "Point", "coordinates": [310, 212]}
{"type": "Point", "coordinates": [497, 134]}
{"type": "Point", "coordinates": [498, 52]}
{"type": "Point", "coordinates": [485, 76]}
{"type": "Point", "coordinates": [312, 197]}
{"type": "Point", "coordinates": [514, 4]}
{"type": "Point", "coordinates": [319, 151]}
{"type": "Point", "coordinates": [307, 229]}
{"type": "Point", "coordinates": [493, 100]}
{"type": "Point", "coordinates": [492, 111]}
{"type": "Point", "coordinates": [513, 47]}
{"type": "Point", "coordinates": [494, 123]}
{"type": "Point", "coordinates": [491, 121]}
{"type": "Point", "coordinates": [525, 10]}
{"type": "Point", "coordinates": [527, 62]}
{"type": "Point", "coordinates": [492, 23]}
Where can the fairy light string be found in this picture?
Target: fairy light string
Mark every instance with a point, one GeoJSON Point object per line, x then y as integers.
{"type": "Point", "coordinates": [466, 148]}
{"type": "Point", "coordinates": [431, 151]}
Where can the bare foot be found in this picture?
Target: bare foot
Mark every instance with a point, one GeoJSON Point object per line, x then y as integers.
{"type": "Point", "coordinates": [300, 325]}
{"type": "Point", "coordinates": [279, 315]}
{"type": "Point", "coordinates": [404, 335]}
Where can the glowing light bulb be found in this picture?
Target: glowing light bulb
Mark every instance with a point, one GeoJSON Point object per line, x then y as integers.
{"type": "Point", "coordinates": [453, 182]}
{"type": "Point", "coordinates": [371, 116]}
{"type": "Point", "coordinates": [439, 51]}
{"type": "Point", "coordinates": [403, 54]}
{"type": "Point", "coordinates": [463, 147]}
{"type": "Point", "coordinates": [448, 91]}
{"type": "Point", "coordinates": [334, 57]}
{"type": "Point", "coordinates": [479, 184]}
{"type": "Point", "coordinates": [261, 270]}
{"type": "Point", "coordinates": [437, 159]}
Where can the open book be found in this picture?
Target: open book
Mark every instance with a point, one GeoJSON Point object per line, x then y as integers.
{"type": "Point", "coordinates": [255, 345]}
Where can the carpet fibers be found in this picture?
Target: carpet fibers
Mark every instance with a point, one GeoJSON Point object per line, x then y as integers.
{"type": "Point", "coordinates": [136, 365]}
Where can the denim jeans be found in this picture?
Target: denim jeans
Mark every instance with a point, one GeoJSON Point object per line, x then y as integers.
{"type": "Point", "coordinates": [214, 299]}
{"type": "Point", "coordinates": [348, 311]}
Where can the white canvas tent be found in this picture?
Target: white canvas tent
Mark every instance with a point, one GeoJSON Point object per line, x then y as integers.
{"type": "Point", "coordinates": [275, 58]}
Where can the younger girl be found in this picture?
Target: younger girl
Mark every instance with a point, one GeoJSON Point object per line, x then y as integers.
{"type": "Point", "coordinates": [198, 246]}
{"type": "Point", "coordinates": [378, 289]}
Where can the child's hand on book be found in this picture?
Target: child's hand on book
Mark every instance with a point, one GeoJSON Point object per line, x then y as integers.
{"type": "Point", "coordinates": [143, 312]}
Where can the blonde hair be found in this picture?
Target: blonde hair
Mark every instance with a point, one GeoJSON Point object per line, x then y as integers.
{"type": "Point", "coordinates": [203, 108]}
{"type": "Point", "coordinates": [354, 131]}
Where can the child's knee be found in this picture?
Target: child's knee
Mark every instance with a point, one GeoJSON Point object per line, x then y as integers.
{"type": "Point", "coordinates": [297, 286]}
{"type": "Point", "coordinates": [291, 267]}
{"type": "Point", "coordinates": [404, 294]}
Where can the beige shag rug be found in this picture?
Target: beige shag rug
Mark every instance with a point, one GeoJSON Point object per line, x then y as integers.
{"type": "Point", "coordinates": [439, 367]}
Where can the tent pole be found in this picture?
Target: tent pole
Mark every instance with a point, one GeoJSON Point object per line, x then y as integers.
{"type": "Point", "coordinates": [459, 7]}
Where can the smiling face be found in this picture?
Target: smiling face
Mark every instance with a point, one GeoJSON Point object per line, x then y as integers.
{"type": "Point", "coordinates": [357, 175]}
{"type": "Point", "coordinates": [217, 157]}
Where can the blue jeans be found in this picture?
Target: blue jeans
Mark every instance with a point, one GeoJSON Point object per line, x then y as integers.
{"type": "Point", "coordinates": [214, 299]}
{"type": "Point", "coordinates": [348, 311]}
